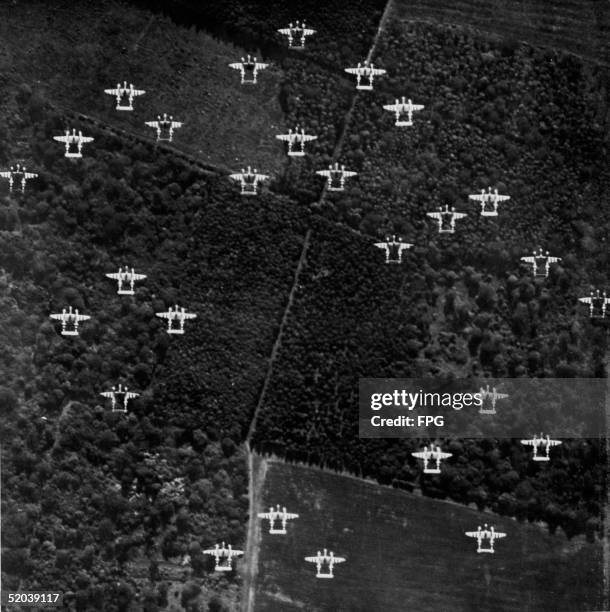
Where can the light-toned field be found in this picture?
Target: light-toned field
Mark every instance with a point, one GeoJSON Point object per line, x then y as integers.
{"type": "Point", "coordinates": [406, 552]}
{"type": "Point", "coordinates": [70, 51]}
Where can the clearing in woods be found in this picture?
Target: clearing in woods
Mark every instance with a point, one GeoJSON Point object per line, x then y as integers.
{"type": "Point", "coordinates": [406, 552]}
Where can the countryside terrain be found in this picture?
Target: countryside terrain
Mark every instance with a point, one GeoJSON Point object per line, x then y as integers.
{"type": "Point", "coordinates": [294, 303]}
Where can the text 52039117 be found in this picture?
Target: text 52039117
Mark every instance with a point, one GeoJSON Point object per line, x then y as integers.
{"type": "Point", "coordinates": [40, 599]}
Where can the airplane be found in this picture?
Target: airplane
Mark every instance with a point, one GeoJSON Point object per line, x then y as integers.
{"type": "Point", "coordinates": [541, 441]}
{"type": "Point", "coordinates": [325, 557]}
{"type": "Point", "coordinates": [277, 515]}
{"type": "Point", "coordinates": [482, 534]}
{"type": "Point", "coordinates": [336, 174]}
{"type": "Point", "coordinates": [487, 199]}
{"type": "Point", "coordinates": [493, 396]}
{"type": "Point", "coordinates": [297, 31]}
{"type": "Point", "coordinates": [124, 90]}
{"type": "Point", "coordinates": [223, 551]}
{"type": "Point", "coordinates": [178, 314]}
{"type": "Point", "coordinates": [69, 316]}
{"type": "Point", "coordinates": [248, 66]}
{"type": "Point", "coordinates": [391, 245]}
{"type": "Point", "coordinates": [595, 299]}
{"type": "Point", "coordinates": [127, 395]}
{"type": "Point", "coordinates": [164, 123]}
{"type": "Point", "coordinates": [402, 106]}
{"type": "Point", "coordinates": [540, 260]}
{"type": "Point", "coordinates": [18, 172]}
{"type": "Point", "coordinates": [125, 276]}
{"type": "Point", "coordinates": [444, 216]}
{"type": "Point", "coordinates": [73, 138]}
{"type": "Point", "coordinates": [365, 70]}
{"type": "Point", "coordinates": [296, 137]}
{"type": "Point", "coordinates": [435, 454]}
{"type": "Point", "coordinates": [248, 180]}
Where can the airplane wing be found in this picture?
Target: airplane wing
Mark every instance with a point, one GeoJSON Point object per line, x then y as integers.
{"type": "Point", "coordinates": [529, 259]}
{"type": "Point", "coordinates": [107, 393]}
{"type": "Point", "coordinates": [291, 515]}
{"type": "Point", "coordinates": [62, 138]}
{"type": "Point", "coordinates": [435, 215]}
{"type": "Point", "coordinates": [152, 124]}
{"type": "Point", "coordinates": [501, 395]}
{"type": "Point", "coordinates": [417, 107]}
{"type": "Point", "coordinates": [189, 315]}
{"type": "Point", "coordinates": [586, 300]}
{"type": "Point", "coordinates": [377, 71]}
{"type": "Point", "coordinates": [444, 455]}
{"type": "Point", "coordinates": [114, 275]}
{"type": "Point", "coordinates": [212, 551]}
{"type": "Point", "coordinates": [338, 559]}
{"type": "Point", "coordinates": [458, 215]}
{"type": "Point", "coordinates": [138, 92]}
{"type": "Point", "coordinates": [138, 276]}
{"type": "Point", "coordinates": [86, 138]}
{"type": "Point", "coordinates": [261, 177]}
{"type": "Point", "coordinates": [29, 175]}
{"type": "Point", "coordinates": [554, 442]}
{"type": "Point", "coordinates": [308, 31]}
{"type": "Point", "coordinates": [131, 394]}
{"type": "Point", "coordinates": [112, 92]}
{"type": "Point", "coordinates": [499, 534]}
{"type": "Point", "coordinates": [501, 198]}
{"type": "Point", "coordinates": [260, 65]}
{"type": "Point", "coordinates": [265, 515]}
{"type": "Point", "coordinates": [236, 65]}
{"type": "Point", "coordinates": [237, 176]}
{"type": "Point", "coordinates": [392, 107]}
{"type": "Point", "coordinates": [382, 245]}
{"type": "Point", "coordinates": [308, 137]}
{"type": "Point", "coordinates": [479, 197]}
{"type": "Point", "coordinates": [81, 317]}
{"type": "Point", "coordinates": [234, 552]}
{"type": "Point", "coordinates": [58, 317]}
{"type": "Point", "coordinates": [353, 70]}
{"type": "Point", "coordinates": [527, 442]}
{"type": "Point", "coordinates": [176, 124]}
{"type": "Point", "coordinates": [325, 173]}
{"type": "Point", "coordinates": [5, 175]}
{"type": "Point", "coordinates": [315, 559]}
{"type": "Point", "coordinates": [421, 454]}
{"type": "Point", "coordinates": [284, 137]}
{"type": "Point", "coordinates": [285, 31]}
{"type": "Point", "coordinates": [348, 173]}
{"type": "Point", "coordinates": [164, 315]}
{"type": "Point", "coordinates": [472, 534]}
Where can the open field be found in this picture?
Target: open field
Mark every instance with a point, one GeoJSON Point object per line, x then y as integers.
{"type": "Point", "coordinates": [577, 26]}
{"type": "Point", "coordinates": [406, 552]}
{"type": "Point", "coordinates": [68, 52]}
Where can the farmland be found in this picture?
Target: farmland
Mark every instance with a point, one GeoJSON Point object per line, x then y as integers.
{"type": "Point", "coordinates": [408, 552]}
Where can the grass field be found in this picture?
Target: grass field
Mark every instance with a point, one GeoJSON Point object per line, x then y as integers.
{"type": "Point", "coordinates": [406, 552]}
{"type": "Point", "coordinates": [576, 26]}
{"type": "Point", "coordinates": [69, 52]}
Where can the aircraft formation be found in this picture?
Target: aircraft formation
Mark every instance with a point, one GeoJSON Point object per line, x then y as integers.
{"type": "Point", "coordinates": [336, 175]}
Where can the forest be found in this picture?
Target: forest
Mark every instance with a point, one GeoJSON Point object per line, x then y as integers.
{"type": "Point", "coordinates": [530, 122]}
{"type": "Point", "coordinates": [94, 499]}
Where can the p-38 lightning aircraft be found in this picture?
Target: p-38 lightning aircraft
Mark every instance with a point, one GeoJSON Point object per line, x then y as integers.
{"type": "Point", "coordinates": [277, 515]}
{"type": "Point", "coordinates": [178, 314]}
{"type": "Point", "coordinates": [393, 249]}
{"type": "Point", "coordinates": [446, 219]}
{"type": "Point", "coordinates": [125, 276]}
{"type": "Point", "coordinates": [222, 552]}
{"type": "Point", "coordinates": [69, 317]}
{"type": "Point", "coordinates": [17, 173]}
{"type": "Point", "coordinates": [492, 396]}
{"type": "Point", "coordinates": [248, 180]}
{"type": "Point", "coordinates": [335, 175]}
{"type": "Point", "coordinates": [296, 137]}
{"type": "Point", "coordinates": [164, 126]}
{"type": "Point", "coordinates": [485, 534]}
{"type": "Point", "coordinates": [535, 442]}
{"type": "Point", "coordinates": [403, 106]}
{"type": "Point", "coordinates": [124, 92]}
{"type": "Point", "coordinates": [117, 392]}
{"type": "Point", "coordinates": [366, 70]}
{"type": "Point", "coordinates": [324, 558]}
{"type": "Point", "coordinates": [596, 300]}
{"type": "Point", "coordinates": [296, 34]}
{"type": "Point", "coordinates": [73, 139]}
{"type": "Point", "coordinates": [540, 262]}
{"type": "Point", "coordinates": [248, 67]}
{"type": "Point", "coordinates": [432, 453]}
{"type": "Point", "coordinates": [489, 201]}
